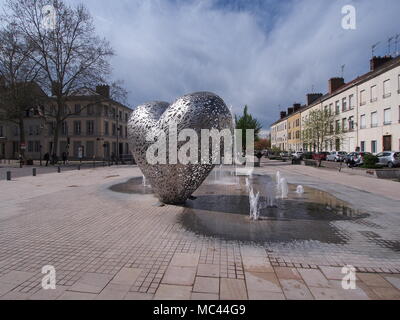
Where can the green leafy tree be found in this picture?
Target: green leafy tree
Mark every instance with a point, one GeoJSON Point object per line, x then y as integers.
{"type": "Point", "coordinates": [246, 122]}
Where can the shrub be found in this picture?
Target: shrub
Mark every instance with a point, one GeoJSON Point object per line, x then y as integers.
{"type": "Point", "coordinates": [370, 161]}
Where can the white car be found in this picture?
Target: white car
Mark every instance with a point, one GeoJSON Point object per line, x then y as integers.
{"type": "Point", "coordinates": [297, 155]}
{"type": "Point", "coordinates": [337, 156]}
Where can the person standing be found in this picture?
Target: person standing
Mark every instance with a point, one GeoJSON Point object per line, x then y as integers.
{"type": "Point", "coordinates": [64, 158]}
{"type": "Point", "coordinates": [47, 158]}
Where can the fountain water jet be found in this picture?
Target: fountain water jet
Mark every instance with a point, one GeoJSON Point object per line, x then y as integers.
{"type": "Point", "coordinates": [300, 190]}
{"type": "Point", "coordinates": [145, 182]}
{"type": "Point", "coordinates": [284, 188]}
{"type": "Point", "coordinates": [254, 205]}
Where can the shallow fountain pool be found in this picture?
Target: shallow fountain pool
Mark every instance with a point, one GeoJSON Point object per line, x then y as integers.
{"type": "Point", "coordinates": [222, 210]}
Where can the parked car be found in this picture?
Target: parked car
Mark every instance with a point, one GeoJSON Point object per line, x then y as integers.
{"type": "Point", "coordinates": [350, 156]}
{"type": "Point", "coordinates": [297, 155]}
{"type": "Point", "coordinates": [355, 159]}
{"type": "Point", "coordinates": [285, 155]}
{"type": "Point", "coordinates": [308, 155]}
{"type": "Point", "coordinates": [273, 155]}
{"type": "Point", "coordinates": [320, 156]}
{"type": "Point", "coordinates": [389, 159]}
{"type": "Point", "coordinates": [337, 156]}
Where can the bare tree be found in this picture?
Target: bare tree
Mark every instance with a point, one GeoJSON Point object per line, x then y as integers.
{"type": "Point", "coordinates": [70, 54]}
{"type": "Point", "coordinates": [18, 91]}
{"type": "Point", "coordinates": [319, 129]}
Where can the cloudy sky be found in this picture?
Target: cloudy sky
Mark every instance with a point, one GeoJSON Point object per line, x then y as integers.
{"type": "Point", "coordinates": [264, 53]}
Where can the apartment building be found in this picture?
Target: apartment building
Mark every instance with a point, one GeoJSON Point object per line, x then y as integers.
{"type": "Point", "coordinates": [97, 128]}
{"type": "Point", "coordinates": [294, 128]}
{"type": "Point", "coordinates": [367, 109]}
{"type": "Point", "coordinates": [279, 133]}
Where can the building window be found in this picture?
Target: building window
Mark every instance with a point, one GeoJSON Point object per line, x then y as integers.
{"type": "Point", "coordinates": [120, 115]}
{"type": "Point", "coordinates": [362, 146]}
{"type": "Point", "coordinates": [337, 127]}
{"type": "Point", "coordinates": [351, 102]}
{"type": "Point", "coordinates": [1, 131]}
{"type": "Point", "coordinates": [363, 99]}
{"type": "Point", "coordinates": [106, 111]}
{"type": "Point", "coordinates": [126, 132]}
{"type": "Point", "coordinates": [351, 123]}
{"type": "Point", "coordinates": [37, 146]}
{"type": "Point", "coordinates": [363, 122]}
{"type": "Point", "coordinates": [398, 84]}
{"type": "Point", "coordinates": [374, 94]}
{"type": "Point", "coordinates": [114, 129]}
{"type": "Point", "coordinates": [64, 128]}
{"type": "Point", "coordinates": [30, 146]}
{"type": "Point", "coordinates": [387, 116]}
{"type": "Point", "coordinates": [78, 109]}
{"type": "Point", "coordinates": [344, 124]}
{"type": "Point", "coordinates": [90, 127]}
{"type": "Point", "coordinates": [386, 89]}
{"type": "Point", "coordinates": [51, 127]}
{"type": "Point", "coordinates": [90, 110]}
{"type": "Point", "coordinates": [120, 131]}
{"type": "Point", "coordinates": [77, 128]}
{"type": "Point", "coordinates": [374, 146]}
{"type": "Point", "coordinates": [106, 128]}
{"type": "Point", "coordinates": [344, 104]}
{"type": "Point", "coordinates": [126, 117]}
{"type": "Point", "coordinates": [374, 119]}
{"type": "Point", "coordinates": [337, 107]}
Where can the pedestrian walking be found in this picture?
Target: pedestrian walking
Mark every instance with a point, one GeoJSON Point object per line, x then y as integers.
{"type": "Point", "coordinates": [47, 158]}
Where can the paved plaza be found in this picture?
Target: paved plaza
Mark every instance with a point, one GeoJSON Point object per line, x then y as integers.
{"type": "Point", "coordinates": [110, 245]}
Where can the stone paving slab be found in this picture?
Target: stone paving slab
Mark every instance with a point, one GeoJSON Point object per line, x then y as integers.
{"type": "Point", "coordinates": [206, 285]}
{"type": "Point", "coordinates": [183, 276]}
{"type": "Point", "coordinates": [172, 292]}
{"type": "Point", "coordinates": [233, 289]}
{"type": "Point", "coordinates": [91, 283]}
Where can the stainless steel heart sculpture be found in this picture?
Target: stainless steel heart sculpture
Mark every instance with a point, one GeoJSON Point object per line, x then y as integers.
{"type": "Point", "coordinates": [175, 183]}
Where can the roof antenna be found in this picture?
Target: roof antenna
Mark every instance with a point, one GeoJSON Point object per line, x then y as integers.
{"type": "Point", "coordinates": [389, 44]}
{"type": "Point", "coordinates": [396, 43]}
{"type": "Point", "coordinates": [374, 47]}
{"type": "Point", "coordinates": [343, 66]}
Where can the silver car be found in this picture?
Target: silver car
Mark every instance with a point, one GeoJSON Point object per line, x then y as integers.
{"type": "Point", "coordinates": [337, 156]}
{"type": "Point", "coordinates": [389, 159]}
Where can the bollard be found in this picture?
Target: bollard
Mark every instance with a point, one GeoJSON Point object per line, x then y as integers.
{"type": "Point", "coordinates": [79, 167]}
{"type": "Point", "coordinates": [8, 175]}
{"type": "Point", "coordinates": [59, 169]}
{"type": "Point", "coordinates": [34, 172]}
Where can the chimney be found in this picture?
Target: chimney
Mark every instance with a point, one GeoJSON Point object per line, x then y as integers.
{"type": "Point", "coordinates": [290, 111]}
{"type": "Point", "coordinates": [283, 114]}
{"type": "Point", "coordinates": [296, 107]}
{"type": "Point", "coordinates": [103, 90]}
{"type": "Point", "coordinates": [377, 62]}
{"type": "Point", "coordinates": [335, 84]}
{"type": "Point", "coordinates": [312, 97]}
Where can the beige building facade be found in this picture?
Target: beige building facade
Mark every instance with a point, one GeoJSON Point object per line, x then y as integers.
{"type": "Point", "coordinates": [96, 130]}
{"type": "Point", "coordinates": [367, 109]}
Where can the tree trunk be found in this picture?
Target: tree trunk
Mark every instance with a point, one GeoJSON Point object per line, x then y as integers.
{"type": "Point", "coordinates": [55, 142]}
{"type": "Point", "coordinates": [22, 138]}
{"type": "Point", "coordinates": [57, 129]}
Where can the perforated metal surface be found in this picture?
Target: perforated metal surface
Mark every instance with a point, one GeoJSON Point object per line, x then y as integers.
{"type": "Point", "coordinates": [175, 183]}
